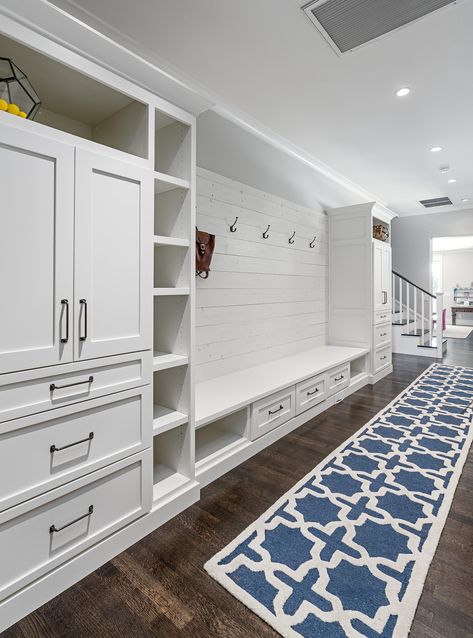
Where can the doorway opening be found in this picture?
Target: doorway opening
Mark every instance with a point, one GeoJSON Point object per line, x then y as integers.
{"type": "Point", "coordinates": [452, 273]}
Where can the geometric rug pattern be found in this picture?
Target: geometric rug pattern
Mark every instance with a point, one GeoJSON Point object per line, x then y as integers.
{"type": "Point", "coordinates": [346, 551]}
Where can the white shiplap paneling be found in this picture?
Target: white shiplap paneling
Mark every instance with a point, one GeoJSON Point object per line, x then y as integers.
{"type": "Point", "coordinates": [265, 298]}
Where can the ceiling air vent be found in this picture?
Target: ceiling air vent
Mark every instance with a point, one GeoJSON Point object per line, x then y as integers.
{"type": "Point", "coordinates": [437, 201]}
{"type": "Point", "coordinates": [348, 24]}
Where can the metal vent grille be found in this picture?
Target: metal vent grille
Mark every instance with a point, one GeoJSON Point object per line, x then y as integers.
{"type": "Point", "coordinates": [437, 201]}
{"type": "Point", "coordinates": [348, 24]}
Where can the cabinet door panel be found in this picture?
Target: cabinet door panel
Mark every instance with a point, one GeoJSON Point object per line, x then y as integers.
{"type": "Point", "coordinates": [386, 276]}
{"type": "Point", "coordinates": [382, 275]}
{"type": "Point", "coordinates": [36, 242]}
{"type": "Point", "coordinates": [113, 227]}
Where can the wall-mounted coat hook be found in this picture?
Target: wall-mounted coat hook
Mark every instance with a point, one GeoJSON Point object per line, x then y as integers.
{"type": "Point", "coordinates": [291, 238]}
{"type": "Point", "coordinates": [265, 234]}
{"type": "Point", "coordinates": [312, 243]}
{"type": "Point", "coordinates": [233, 226]}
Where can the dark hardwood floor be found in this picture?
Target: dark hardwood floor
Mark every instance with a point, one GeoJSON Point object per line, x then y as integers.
{"type": "Point", "coordinates": [159, 588]}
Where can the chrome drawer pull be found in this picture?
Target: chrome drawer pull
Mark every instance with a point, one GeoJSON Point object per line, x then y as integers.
{"type": "Point", "coordinates": [383, 334]}
{"type": "Point", "coordinates": [339, 378]}
{"type": "Point", "coordinates": [53, 528]}
{"type": "Point", "coordinates": [53, 448]}
{"type": "Point", "coordinates": [310, 394]}
{"type": "Point", "coordinates": [382, 358]}
{"type": "Point", "coordinates": [281, 407]}
{"type": "Point", "coordinates": [53, 386]}
{"type": "Point", "coordinates": [383, 316]}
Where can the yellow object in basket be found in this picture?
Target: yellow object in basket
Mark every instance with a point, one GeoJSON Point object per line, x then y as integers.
{"type": "Point", "coordinates": [22, 114]}
{"type": "Point", "coordinates": [3, 105]}
{"type": "Point", "coordinates": [13, 109]}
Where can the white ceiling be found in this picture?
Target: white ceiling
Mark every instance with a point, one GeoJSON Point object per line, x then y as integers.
{"type": "Point", "coordinates": [265, 59]}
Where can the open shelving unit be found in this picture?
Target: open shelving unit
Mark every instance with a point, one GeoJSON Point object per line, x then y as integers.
{"type": "Point", "coordinates": [173, 290]}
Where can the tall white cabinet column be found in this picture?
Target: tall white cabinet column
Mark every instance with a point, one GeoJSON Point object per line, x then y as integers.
{"type": "Point", "coordinates": [360, 275]}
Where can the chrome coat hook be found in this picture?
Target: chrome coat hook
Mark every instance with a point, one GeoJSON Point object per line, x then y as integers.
{"type": "Point", "coordinates": [265, 234]}
{"type": "Point", "coordinates": [232, 227]}
{"type": "Point", "coordinates": [291, 238]}
{"type": "Point", "coordinates": [312, 243]}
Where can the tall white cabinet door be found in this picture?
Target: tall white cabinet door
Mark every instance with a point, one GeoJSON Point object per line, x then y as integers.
{"type": "Point", "coordinates": [36, 246]}
{"type": "Point", "coordinates": [382, 275]}
{"type": "Point", "coordinates": [113, 260]}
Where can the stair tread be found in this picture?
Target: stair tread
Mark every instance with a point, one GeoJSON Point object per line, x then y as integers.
{"type": "Point", "coordinates": [404, 322]}
{"type": "Point", "coordinates": [431, 343]}
{"type": "Point", "coordinates": [416, 333]}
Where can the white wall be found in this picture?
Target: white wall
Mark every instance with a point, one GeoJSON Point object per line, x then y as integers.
{"type": "Point", "coordinates": [457, 268]}
{"type": "Point", "coordinates": [264, 298]}
{"type": "Point", "coordinates": [411, 237]}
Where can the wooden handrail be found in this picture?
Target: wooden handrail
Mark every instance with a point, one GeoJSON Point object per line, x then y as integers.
{"type": "Point", "coordinates": [415, 285]}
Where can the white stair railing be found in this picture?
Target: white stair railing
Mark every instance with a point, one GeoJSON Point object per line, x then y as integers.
{"type": "Point", "coordinates": [418, 306]}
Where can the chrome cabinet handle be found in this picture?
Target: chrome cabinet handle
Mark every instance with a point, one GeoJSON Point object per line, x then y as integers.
{"type": "Point", "coordinates": [281, 407]}
{"type": "Point", "coordinates": [383, 334]}
{"type": "Point", "coordinates": [53, 386]}
{"type": "Point", "coordinates": [65, 304]}
{"type": "Point", "coordinates": [53, 448]}
{"type": "Point", "coordinates": [83, 303]}
{"type": "Point", "coordinates": [382, 358]}
{"type": "Point", "coordinates": [339, 378]}
{"type": "Point", "coordinates": [385, 297]}
{"type": "Point", "coordinates": [310, 394]}
{"type": "Point", "coordinates": [382, 316]}
{"type": "Point", "coordinates": [54, 529]}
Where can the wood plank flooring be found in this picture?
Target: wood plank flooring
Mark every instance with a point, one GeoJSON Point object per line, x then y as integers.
{"type": "Point", "coordinates": [159, 588]}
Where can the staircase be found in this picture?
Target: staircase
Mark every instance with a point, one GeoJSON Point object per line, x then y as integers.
{"type": "Point", "coordinates": [417, 319]}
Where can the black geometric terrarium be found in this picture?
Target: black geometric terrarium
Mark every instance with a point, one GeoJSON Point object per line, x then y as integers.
{"type": "Point", "coordinates": [15, 88]}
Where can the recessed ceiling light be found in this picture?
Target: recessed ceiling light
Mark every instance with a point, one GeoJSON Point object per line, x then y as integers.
{"type": "Point", "coordinates": [444, 169]}
{"type": "Point", "coordinates": [405, 90]}
{"type": "Point", "coordinates": [435, 149]}
{"type": "Point", "coordinates": [452, 181]}
{"type": "Point", "coordinates": [464, 199]}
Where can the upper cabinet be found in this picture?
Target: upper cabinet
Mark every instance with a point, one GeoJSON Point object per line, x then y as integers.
{"type": "Point", "coordinates": [36, 250]}
{"type": "Point", "coordinates": [76, 275]}
{"type": "Point", "coordinates": [113, 277]}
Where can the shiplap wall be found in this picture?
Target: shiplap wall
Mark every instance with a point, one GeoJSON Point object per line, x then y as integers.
{"type": "Point", "coordinates": [264, 298]}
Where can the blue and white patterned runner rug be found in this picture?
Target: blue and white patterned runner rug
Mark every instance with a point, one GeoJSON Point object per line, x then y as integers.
{"type": "Point", "coordinates": [346, 551]}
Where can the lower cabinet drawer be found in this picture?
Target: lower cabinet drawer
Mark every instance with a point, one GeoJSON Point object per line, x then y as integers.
{"type": "Point", "coordinates": [310, 393]}
{"type": "Point", "coordinates": [381, 316]}
{"type": "Point", "coordinates": [33, 391]}
{"type": "Point", "coordinates": [40, 534]}
{"type": "Point", "coordinates": [272, 411]}
{"type": "Point", "coordinates": [338, 378]}
{"type": "Point", "coordinates": [381, 334]}
{"type": "Point", "coordinates": [381, 358]}
{"type": "Point", "coordinates": [41, 452]}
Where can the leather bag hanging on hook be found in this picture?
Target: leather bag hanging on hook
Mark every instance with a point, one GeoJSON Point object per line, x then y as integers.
{"type": "Point", "coordinates": [204, 249]}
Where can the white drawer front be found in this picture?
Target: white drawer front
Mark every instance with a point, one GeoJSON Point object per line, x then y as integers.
{"type": "Point", "coordinates": [338, 378]}
{"type": "Point", "coordinates": [272, 411]}
{"type": "Point", "coordinates": [93, 434]}
{"type": "Point", "coordinates": [30, 548]}
{"type": "Point", "coordinates": [381, 316]}
{"type": "Point", "coordinates": [382, 334]}
{"type": "Point", "coordinates": [25, 393]}
{"type": "Point", "coordinates": [381, 358]}
{"type": "Point", "coordinates": [310, 393]}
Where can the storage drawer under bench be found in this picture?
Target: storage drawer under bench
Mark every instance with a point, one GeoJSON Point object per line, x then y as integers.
{"type": "Point", "coordinates": [310, 393]}
{"type": "Point", "coordinates": [42, 533]}
{"type": "Point", "coordinates": [42, 451]}
{"type": "Point", "coordinates": [272, 411]}
{"type": "Point", "coordinates": [338, 378]}
{"type": "Point", "coordinates": [24, 393]}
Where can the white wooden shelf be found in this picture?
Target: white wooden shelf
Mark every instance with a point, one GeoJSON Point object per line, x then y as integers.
{"type": "Point", "coordinates": [212, 442]}
{"type": "Point", "coordinates": [166, 480]}
{"type": "Point", "coordinates": [161, 240]}
{"type": "Point", "coordinates": [166, 360]}
{"type": "Point", "coordinates": [168, 292]}
{"type": "Point", "coordinates": [165, 419]}
{"type": "Point", "coordinates": [163, 182]}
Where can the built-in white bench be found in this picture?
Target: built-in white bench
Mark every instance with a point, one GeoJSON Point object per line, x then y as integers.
{"type": "Point", "coordinates": [239, 414]}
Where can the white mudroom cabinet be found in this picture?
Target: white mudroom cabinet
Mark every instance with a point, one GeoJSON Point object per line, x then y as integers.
{"type": "Point", "coordinates": [74, 243]}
